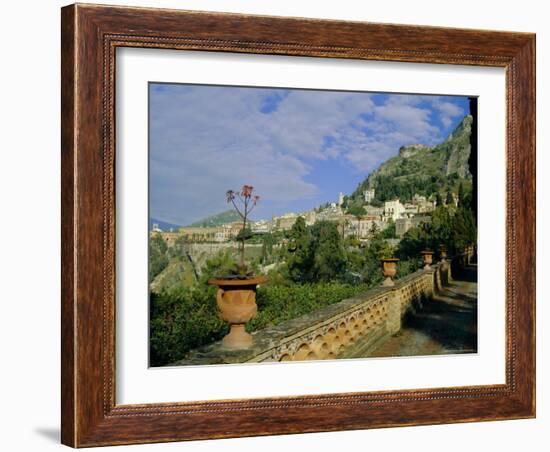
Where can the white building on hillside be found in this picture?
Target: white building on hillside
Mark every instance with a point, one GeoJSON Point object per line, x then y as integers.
{"type": "Point", "coordinates": [393, 209]}
{"type": "Point", "coordinates": [368, 194]}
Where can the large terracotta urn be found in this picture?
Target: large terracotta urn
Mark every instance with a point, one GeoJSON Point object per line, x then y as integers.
{"type": "Point", "coordinates": [236, 300]}
{"type": "Point", "coordinates": [427, 256]}
{"type": "Point", "coordinates": [389, 270]}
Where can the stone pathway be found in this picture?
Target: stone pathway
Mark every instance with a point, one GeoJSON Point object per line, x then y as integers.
{"type": "Point", "coordinates": [447, 324]}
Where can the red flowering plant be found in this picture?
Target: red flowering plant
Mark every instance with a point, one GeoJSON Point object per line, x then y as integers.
{"type": "Point", "coordinates": [244, 202]}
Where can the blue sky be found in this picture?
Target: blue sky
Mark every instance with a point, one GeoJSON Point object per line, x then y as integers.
{"type": "Point", "coordinates": [298, 148]}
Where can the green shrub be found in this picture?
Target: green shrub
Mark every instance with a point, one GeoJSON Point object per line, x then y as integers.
{"type": "Point", "coordinates": [278, 303]}
{"type": "Point", "coordinates": [184, 319]}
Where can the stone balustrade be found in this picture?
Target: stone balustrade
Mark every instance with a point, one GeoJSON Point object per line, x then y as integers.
{"type": "Point", "coordinates": [350, 328]}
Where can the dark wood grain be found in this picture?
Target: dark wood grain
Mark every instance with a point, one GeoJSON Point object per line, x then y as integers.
{"type": "Point", "coordinates": [90, 36]}
{"type": "Point", "coordinates": [67, 226]}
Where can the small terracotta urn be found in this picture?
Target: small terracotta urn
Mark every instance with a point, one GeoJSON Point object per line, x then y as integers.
{"type": "Point", "coordinates": [236, 300]}
{"type": "Point", "coordinates": [389, 270]}
{"type": "Point", "coordinates": [427, 255]}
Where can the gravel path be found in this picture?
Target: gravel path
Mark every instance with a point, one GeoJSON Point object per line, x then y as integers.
{"type": "Point", "coordinates": [445, 325]}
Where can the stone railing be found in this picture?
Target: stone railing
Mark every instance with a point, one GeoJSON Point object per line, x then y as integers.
{"type": "Point", "coordinates": [350, 328]}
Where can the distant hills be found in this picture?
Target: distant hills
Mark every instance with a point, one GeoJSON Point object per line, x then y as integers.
{"type": "Point", "coordinates": [229, 216]}
{"type": "Point", "coordinates": [423, 169]}
{"type": "Point", "coordinates": [218, 219]}
{"type": "Point", "coordinates": [162, 225]}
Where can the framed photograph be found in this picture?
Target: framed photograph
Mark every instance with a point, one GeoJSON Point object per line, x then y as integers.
{"type": "Point", "coordinates": [281, 225]}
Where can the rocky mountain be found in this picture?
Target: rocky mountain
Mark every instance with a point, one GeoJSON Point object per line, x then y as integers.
{"type": "Point", "coordinates": [423, 169]}
{"type": "Point", "coordinates": [218, 219]}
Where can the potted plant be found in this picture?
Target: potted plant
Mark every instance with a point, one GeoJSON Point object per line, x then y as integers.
{"type": "Point", "coordinates": [236, 294]}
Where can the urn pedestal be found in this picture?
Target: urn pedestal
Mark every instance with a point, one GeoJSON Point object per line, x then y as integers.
{"type": "Point", "coordinates": [236, 300]}
{"type": "Point", "coordinates": [427, 256]}
{"type": "Point", "coordinates": [389, 270]}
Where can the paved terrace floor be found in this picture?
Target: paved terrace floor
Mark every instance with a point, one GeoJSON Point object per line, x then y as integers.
{"type": "Point", "coordinates": [444, 325]}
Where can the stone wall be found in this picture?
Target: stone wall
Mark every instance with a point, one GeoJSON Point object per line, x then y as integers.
{"type": "Point", "coordinates": [350, 328]}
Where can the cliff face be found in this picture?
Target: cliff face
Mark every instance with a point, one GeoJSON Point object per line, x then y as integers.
{"type": "Point", "coordinates": [424, 169]}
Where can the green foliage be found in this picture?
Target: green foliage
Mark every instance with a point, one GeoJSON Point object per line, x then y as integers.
{"type": "Point", "coordinates": [329, 257]}
{"type": "Point", "coordinates": [449, 200]}
{"type": "Point", "coordinates": [414, 241]}
{"type": "Point", "coordinates": [388, 187]}
{"type": "Point", "coordinates": [315, 253]}
{"type": "Point", "coordinates": [182, 319]}
{"type": "Point", "coordinates": [278, 303]}
{"type": "Point", "coordinates": [389, 232]}
{"type": "Point", "coordinates": [220, 265]}
{"type": "Point", "coordinates": [299, 260]}
{"type": "Point", "coordinates": [441, 227]}
{"type": "Point", "coordinates": [464, 228]}
{"type": "Point", "coordinates": [377, 248]}
{"type": "Point", "coordinates": [460, 194]}
{"type": "Point", "coordinates": [407, 266]}
{"type": "Point", "coordinates": [229, 216]}
{"type": "Point", "coordinates": [158, 259]}
{"type": "Point", "coordinates": [357, 210]}
{"type": "Point", "coordinates": [244, 234]}
{"type": "Point", "coordinates": [451, 227]}
{"type": "Point", "coordinates": [352, 241]}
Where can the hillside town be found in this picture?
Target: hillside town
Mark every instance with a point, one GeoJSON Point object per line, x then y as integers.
{"type": "Point", "coordinates": [404, 215]}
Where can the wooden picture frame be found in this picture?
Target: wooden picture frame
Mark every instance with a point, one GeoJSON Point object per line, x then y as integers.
{"type": "Point", "coordinates": [90, 36]}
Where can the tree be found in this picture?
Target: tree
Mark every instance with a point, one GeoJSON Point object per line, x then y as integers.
{"type": "Point", "coordinates": [389, 232]}
{"type": "Point", "coordinates": [244, 234]}
{"type": "Point", "coordinates": [345, 201]}
{"type": "Point", "coordinates": [329, 256]}
{"type": "Point", "coordinates": [438, 199]}
{"type": "Point", "coordinates": [344, 223]}
{"type": "Point", "coordinates": [450, 200]}
{"type": "Point", "coordinates": [441, 227]}
{"type": "Point", "coordinates": [268, 241]}
{"type": "Point", "coordinates": [373, 230]}
{"type": "Point", "coordinates": [356, 210]}
{"type": "Point", "coordinates": [414, 241]}
{"type": "Point", "coordinates": [464, 230]}
{"type": "Point", "coordinates": [299, 258]}
{"type": "Point", "coordinates": [461, 195]}
{"type": "Point", "coordinates": [377, 249]}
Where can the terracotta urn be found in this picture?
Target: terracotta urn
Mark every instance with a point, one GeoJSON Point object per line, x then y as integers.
{"type": "Point", "coordinates": [427, 255]}
{"type": "Point", "coordinates": [443, 253]}
{"type": "Point", "coordinates": [389, 270]}
{"type": "Point", "coordinates": [236, 300]}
